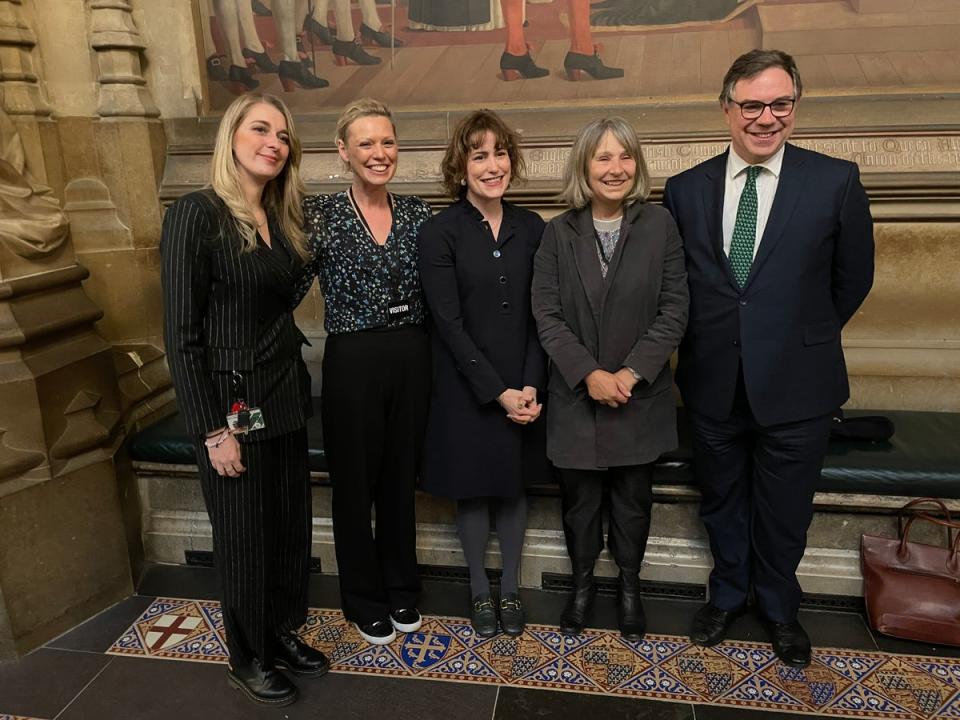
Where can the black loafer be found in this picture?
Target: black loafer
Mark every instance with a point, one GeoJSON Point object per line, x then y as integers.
{"type": "Point", "coordinates": [262, 685]}
{"type": "Point", "coordinates": [298, 657]}
{"type": "Point", "coordinates": [511, 614]}
{"type": "Point", "coordinates": [483, 615]}
{"type": "Point", "coordinates": [710, 625]}
{"type": "Point", "coordinates": [791, 643]}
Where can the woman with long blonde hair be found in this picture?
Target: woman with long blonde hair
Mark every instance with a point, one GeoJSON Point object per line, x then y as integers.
{"type": "Point", "coordinates": [230, 255]}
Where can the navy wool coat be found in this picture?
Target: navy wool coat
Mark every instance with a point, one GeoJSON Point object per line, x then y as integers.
{"type": "Point", "coordinates": [484, 341]}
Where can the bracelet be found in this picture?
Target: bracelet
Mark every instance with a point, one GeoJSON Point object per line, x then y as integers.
{"type": "Point", "coordinates": [212, 442]}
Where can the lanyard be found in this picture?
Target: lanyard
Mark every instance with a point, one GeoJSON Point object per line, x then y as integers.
{"type": "Point", "coordinates": [392, 257]}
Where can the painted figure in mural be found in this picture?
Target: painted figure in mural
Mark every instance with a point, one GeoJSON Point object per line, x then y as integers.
{"type": "Point", "coordinates": [581, 61]}
{"type": "Point", "coordinates": [230, 256]}
{"type": "Point", "coordinates": [346, 46]}
{"type": "Point", "coordinates": [247, 53]}
{"type": "Point", "coordinates": [779, 245]}
{"type": "Point", "coordinates": [611, 412]}
{"type": "Point", "coordinates": [376, 372]}
{"type": "Point", "coordinates": [484, 444]}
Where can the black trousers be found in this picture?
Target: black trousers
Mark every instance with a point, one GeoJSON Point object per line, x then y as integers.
{"type": "Point", "coordinates": [376, 390]}
{"type": "Point", "coordinates": [631, 499]}
{"type": "Point", "coordinates": [261, 542]}
{"type": "Point", "coordinates": [757, 484]}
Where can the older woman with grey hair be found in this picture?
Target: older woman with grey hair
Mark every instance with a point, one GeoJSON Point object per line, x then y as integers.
{"type": "Point", "coordinates": [610, 301]}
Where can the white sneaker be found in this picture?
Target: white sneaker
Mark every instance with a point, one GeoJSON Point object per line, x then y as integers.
{"type": "Point", "coordinates": [377, 633]}
{"type": "Point", "coordinates": [406, 620]}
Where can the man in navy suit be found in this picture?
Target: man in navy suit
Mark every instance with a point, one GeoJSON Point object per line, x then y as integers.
{"type": "Point", "coordinates": [779, 251]}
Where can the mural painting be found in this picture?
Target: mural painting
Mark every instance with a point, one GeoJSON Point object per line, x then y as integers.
{"type": "Point", "coordinates": [434, 54]}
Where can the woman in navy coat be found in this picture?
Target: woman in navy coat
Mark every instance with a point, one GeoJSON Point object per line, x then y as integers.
{"type": "Point", "coordinates": [483, 439]}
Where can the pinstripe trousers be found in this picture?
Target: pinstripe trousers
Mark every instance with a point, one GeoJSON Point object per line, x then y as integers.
{"type": "Point", "coordinates": [261, 542]}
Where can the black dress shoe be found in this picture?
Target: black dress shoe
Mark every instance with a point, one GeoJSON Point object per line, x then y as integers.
{"type": "Point", "coordinates": [791, 643]}
{"type": "Point", "coordinates": [345, 51]}
{"type": "Point", "coordinates": [578, 66]}
{"type": "Point", "coordinates": [298, 657]}
{"type": "Point", "coordinates": [319, 31]}
{"type": "Point", "coordinates": [216, 69]}
{"type": "Point", "coordinates": [261, 60]}
{"type": "Point", "coordinates": [379, 37]}
{"type": "Point", "coordinates": [260, 9]}
{"type": "Point", "coordinates": [574, 615]}
{"type": "Point", "coordinates": [294, 74]}
{"type": "Point", "coordinates": [630, 616]}
{"type": "Point", "coordinates": [483, 615]}
{"type": "Point", "coordinates": [262, 685]}
{"type": "Point", "coordinates": [512, 619]}
{"type": "Point", "coordinates": [240, 80]}
{"type": "Point", "coordinates": [710, 625]}
{"type": "Point", "coordinates": [514, 67]}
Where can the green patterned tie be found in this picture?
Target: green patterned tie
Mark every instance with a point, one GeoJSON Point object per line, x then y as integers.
{"type": "Point", "coordinates": [745, 228]}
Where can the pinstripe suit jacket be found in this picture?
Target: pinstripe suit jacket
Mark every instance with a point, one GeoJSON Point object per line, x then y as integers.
{"type": "Point", "coordinates": [227, 310]}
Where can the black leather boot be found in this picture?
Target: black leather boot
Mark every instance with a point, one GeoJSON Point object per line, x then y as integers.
{"type": "Point", "coordinates": [574, 615]}
{"type": "Point", "coordinates": [262, 685]}
{"type": "Point", "coordinates": [630, 616]}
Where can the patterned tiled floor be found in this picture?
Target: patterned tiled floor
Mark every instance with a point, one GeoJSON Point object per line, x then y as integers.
{"type": "Point", "coordinates": [839, 683]}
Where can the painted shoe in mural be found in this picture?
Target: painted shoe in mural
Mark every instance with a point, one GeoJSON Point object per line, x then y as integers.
{"type": "Point", "coordinates": [216, 68]}
{"type": "Point", "coordinates": [260, 60]}
{"type": "Point", "coordinates": [240, 80]}
{"type": "Point", "coordinates": [345, 51]}
{"type": "Point", "coordinates": [260, 9]}
{"type": "Point", "coordinates": [579, 66]}
{"type": "Point", "coordinates": [515, 67]}
{"type": "Point", "coordinates": [320, 31]}
{"type": "Point", "coordinates": [379, 37]}
{"type": "Point", "coordinates": [296, 74]}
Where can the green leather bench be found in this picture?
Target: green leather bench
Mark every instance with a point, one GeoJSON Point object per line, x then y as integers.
{"type": "Point", "coordinates": [922, 458]}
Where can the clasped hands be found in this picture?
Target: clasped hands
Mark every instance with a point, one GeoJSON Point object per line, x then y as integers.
{"type": "Point", "coordinates": [611, 389]}
{"type": "Point", "coordinates": [521, 405]}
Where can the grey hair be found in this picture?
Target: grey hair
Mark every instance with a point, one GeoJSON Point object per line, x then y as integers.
{"type": "Point", "coordinates": [755, 62]}
{"type": "Point", "coordinates": [575, 190]}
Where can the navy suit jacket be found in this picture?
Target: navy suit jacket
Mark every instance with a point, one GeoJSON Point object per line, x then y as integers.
{"type": "Point", "coordinates": [813, 269]}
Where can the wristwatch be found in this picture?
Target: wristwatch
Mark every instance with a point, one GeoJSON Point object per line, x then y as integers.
{"type": "Point", "coordinates": [636, 376]}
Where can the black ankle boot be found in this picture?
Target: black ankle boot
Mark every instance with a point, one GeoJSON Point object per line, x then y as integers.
{"type": "Point", "coordinates": [262, 685]}
{"type": "Point", "coordinates": [379, 37]}
{"type": "Point", "coordinates": [578, 66]}
{"type": "Point", "coordinates": [514, 67]}
{"type": "Point", "coordinates": [345, 50]}
{"type": "Point", "coordinates": [630, 615]}
{"type": "Point", "coordinates": [574, 615]}
{"type": "Point", "coordinates": [295, 74]}
{"type": "Point", "coordinates": [261, 60]}
{"type": "Point", "coordinates": [240, 79]}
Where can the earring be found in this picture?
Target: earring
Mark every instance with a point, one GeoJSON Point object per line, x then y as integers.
{"type": "Point", "coordinates": [463, 181]}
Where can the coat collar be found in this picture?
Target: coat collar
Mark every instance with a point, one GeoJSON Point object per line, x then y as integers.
{"type": "Point", "coordinates": [508, 226]}
{"type": "Point", "coordinates": [583, 238]}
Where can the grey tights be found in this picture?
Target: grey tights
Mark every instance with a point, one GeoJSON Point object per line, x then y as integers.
{"type": "Point", "coordinates": [473, 527]}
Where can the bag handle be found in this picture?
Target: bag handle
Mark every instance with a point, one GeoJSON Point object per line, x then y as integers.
{"type": "Point", "coordinates": [914, 503]}
{"type": "Point", "coordinates": [953, 540]}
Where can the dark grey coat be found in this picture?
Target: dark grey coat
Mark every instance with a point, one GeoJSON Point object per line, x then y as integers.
{"type": "Point", "coordinates": [634, 317]}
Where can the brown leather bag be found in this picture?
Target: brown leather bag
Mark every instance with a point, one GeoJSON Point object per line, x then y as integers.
{"type": "Point", "coordinates": [912, 590]}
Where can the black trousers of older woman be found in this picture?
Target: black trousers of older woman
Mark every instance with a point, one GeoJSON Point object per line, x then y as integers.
{"type": "Point", "coordinates": [261, 542]}
{"type": "Point", "coordinates": [631, 499]}
{"type": "Point", "coordinates": [376, 390]}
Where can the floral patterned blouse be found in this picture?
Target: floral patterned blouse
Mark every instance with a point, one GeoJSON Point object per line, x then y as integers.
{"type": "Point", "coordinates": [360, 279]}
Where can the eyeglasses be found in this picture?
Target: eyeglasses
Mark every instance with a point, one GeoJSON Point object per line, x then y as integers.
{"type": "Point", "coordinates": [752, 109]}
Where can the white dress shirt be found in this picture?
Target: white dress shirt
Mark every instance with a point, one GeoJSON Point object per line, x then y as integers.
{"type": "Point", "coordinates": [767, 180]}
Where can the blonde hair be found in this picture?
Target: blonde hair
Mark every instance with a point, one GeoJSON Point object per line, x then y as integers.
{"type": "Point", "coordinates": [283, 195]}
{"type": "Point", "coordinates": [467, 137]}
{"type": "Point", "coordinates": [364, 107]}
{"type": "Point", "coordinates": [575, 190]}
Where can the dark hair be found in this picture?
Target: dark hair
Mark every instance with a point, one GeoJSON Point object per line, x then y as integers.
{"type": "Point", "coordinates": [755, 62]}
{"type": "Point", "coordinates": [467, 137]}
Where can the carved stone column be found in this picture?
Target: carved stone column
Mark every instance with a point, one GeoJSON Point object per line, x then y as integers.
{"type": "Point", "coordinates": [63, 551]}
